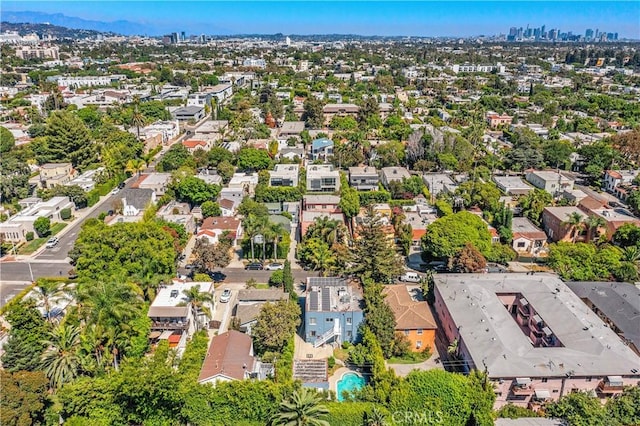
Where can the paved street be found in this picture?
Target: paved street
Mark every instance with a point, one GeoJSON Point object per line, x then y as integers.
{"type": "Point", "coordinates": [8, 289]}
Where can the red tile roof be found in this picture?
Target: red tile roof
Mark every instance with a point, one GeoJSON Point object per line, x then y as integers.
{"type": "Point", "coordinates": [229, 355]}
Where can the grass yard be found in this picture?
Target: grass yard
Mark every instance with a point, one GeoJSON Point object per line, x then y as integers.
{"type": "Point", "coordinates": [35, 244]}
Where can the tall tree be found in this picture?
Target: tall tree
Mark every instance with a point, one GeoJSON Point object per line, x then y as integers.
{"type": "Point", "coordinates": [50, 292]}
{"type": "Point", "coordinates": [375, 256]}
{"type": "Point", "coordinates": [28, 333]}
{"type": "Point", "coordinates": [68, 139]}
{"type": "Point", "coordinates": [24, 398]}
{"type": "Point", "coordinates": [60, 361]}
{"type": "Point", "coordinates": [196, 299]}
{"type": "Point", "coordinates": [275, 325]}
{"type": "Point", "coordinates": [313, 115]}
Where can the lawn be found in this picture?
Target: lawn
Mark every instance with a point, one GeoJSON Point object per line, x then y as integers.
{"type": "Point", "coordinates": [35, 244]}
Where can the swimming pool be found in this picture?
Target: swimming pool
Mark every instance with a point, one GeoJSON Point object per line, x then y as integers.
{"type": "Point", "coordinates": [349, 382]}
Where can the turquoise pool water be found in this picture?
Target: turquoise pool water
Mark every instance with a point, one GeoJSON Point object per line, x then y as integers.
{"type": "Point", "coordinates": [349, 382]}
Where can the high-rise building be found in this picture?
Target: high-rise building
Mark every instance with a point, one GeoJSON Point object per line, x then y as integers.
{"type": "Point", "coordinates": [588, 34]}
{"type": "Point", "coordinates": [183, 36]}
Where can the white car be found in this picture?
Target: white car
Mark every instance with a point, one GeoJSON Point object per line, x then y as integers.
{"type": "Point", "coordinates": [274, 266]}
{"type": "Point", "coordinates": [53, 241]}
{"type": "Point", "coordinates": [410, 277]}
{"type": "Point", "coordinates": [225, 296]}
{"type": "Point", "coordinates": [115, 191]}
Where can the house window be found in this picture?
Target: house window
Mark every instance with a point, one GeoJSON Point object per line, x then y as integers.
{"type": "Point", "coordinates": [312, 321]}
{"type": "Point", "coordinates": [313, 333]}
{"type": "Point", "coordinates": [406, 332]}
{"type": "Point", "coordinates": [521, 244]}
{"type": "Point", "coordinates": [419, 332]}
{"type": "Point", "coordinates": [349, 334]}
{"type": "Point", "coordinates": [419, 344]}
{"type": "Point", "coordinates": [545, 380]}
{"type": "Point", "coordinates": [328, 319]}
{"type": "Point", "coordinates": [349, 321]}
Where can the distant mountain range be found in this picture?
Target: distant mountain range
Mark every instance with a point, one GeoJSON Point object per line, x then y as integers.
{"type": "Point", "coordinates": [118, 27]}
{"type": "Point", "coordinates": [50, 30]}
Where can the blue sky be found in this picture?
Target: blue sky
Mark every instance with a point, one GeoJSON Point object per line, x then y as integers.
{"type": "Point", "coordinates": [422, 18]}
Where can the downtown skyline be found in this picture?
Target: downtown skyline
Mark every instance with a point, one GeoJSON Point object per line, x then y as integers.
{"type": "Point", "coordinates": [383, 18]}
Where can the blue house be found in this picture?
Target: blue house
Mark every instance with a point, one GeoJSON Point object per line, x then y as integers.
{"type": "Point", "coordinates": [333, 311]}
{"type": "Point", "coordinates": [321, 149]}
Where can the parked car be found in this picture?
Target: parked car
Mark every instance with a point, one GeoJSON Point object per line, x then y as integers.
{"type": "Point", "coordinates": [225, 296]}
{"type": "Point", "coordinates": [410, 277]}
{"type": "Point", "coordinates": [53, 241]}
{"type": "Point", "coordinates": [72, 274]}
{"type": "Point", "coordinates": [190, 266]}
{"type": "Point", "coordinates": [115, 190]}
{"type": "Point", "coordinates": [274, 266]}
{"type": "Point", "coordinates": [255, 266]}
{"type": "Point", "coordinates": [217, 276]}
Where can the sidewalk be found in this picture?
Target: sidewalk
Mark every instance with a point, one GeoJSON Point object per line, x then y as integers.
{"type": "Point", "coordinates": [291, 256]}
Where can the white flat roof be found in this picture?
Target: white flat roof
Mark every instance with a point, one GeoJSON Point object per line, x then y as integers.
{"type": "Point", "coordinates": [163, 298]}
{"type": "Point", "coordinates": [493, 338]}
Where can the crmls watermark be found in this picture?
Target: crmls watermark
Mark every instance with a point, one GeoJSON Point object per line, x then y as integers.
{"type": "Point", "coordinates": [412, 417]}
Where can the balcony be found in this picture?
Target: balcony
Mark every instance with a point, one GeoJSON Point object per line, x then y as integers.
{"type": "Point", "coordinates": [522, 387]}
{"type": "Point", "coordinates": [169, 325]}
{"type": "Point", "coordinates": [611, 385]}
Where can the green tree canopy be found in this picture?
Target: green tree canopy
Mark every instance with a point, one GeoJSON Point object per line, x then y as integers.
{"type": "Point", "coordinates": [195, 191]}
{"type": "Point", "coordinates": [253, 159]}
{"type": "Point", "coordinates": [447, 235]}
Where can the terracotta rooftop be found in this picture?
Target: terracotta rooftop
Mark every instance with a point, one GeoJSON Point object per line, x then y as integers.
{"type": "Point", "coordinates": [219, 222]}
{"type": "Point", "coordinates": [229, 355]}
{"type": "Point", "coordinates": [410, 314]}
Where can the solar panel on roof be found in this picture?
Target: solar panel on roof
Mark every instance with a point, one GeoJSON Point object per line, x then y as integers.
{"type": "Point", "coordinates": [326, 299]}
{"type": "Point", "coordinates": [313, 301]}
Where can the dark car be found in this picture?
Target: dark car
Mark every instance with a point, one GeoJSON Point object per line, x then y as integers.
{"type": "Point", "coordinates": [190, 266]}
{"type": "Point", "coordinates": [254, 267]}
{"type": "Point", "coordinates": [217, 276]}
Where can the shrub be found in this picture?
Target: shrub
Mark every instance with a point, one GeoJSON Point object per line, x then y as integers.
{"type": "Point", "coordinates": [42, 226]}
{"type": "Point", "coordinates": [65, 214]}
{"type": "Point", "coordinates": [29, 236]}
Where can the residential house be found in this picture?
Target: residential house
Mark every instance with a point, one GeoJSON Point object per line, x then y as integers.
{"type": "Point", "coordinates": [495, 120]}
{"type": "Point", "coordinates": [213, 227]}
{"type": "Point", "coordinates": [179, 213]}
{"type": "Point", "coordinates": [393, 174]}
{"type": "Point", "coordinates": [292, 153]}
{"type": "Point", "coordinates": [363, 178]}
{"type": "Point", "coordinates": [333, 311]}
{"type": "Point", "coordinates": [413, 316]}
{"type": "Point", "coordinates": [228, 207]}
{"type": "Point", "coordinates": [527, 238]}
{"type": "Point", "coordinates": [321, 149]}
{"type": "Point", "coordinates": [316, 206]}
{"type": "Point", "coordinates": [284, 175]}
{"type": "Point", "coordinates": [534, 338]}
{"type": "Point", "coordinates": [614, 219]}
{"type": "Point", "coordinates": [617, 304]}
{"type": "Point", "coordinates": [15, 229]}
{"type": "Point", "coordinates": [192, 145]}
{"type": "Point", "coordinates": [339, 110]}
{"type": "Point", "coordinates": [439, 182]}
{"type": "Point", "coordinates": [554, 221]}
{"type": "Point", "coordinates": [54, 174]}
{"type": "Point", "coordinates": [230, 357]}
{"type": "Point", "coordinates": [136, 200]}
{"type": "Point", "coordinates": [158, 133]}
{"type": "Point", "coordinates": [291, 129]}
{"type": "Point", "coordinates": [250, 302]}
{"type": "Point", "coordinates": [189, 113]}
{"type": "Point", "coordinates": [157, 182]}
{"type": "Point", "coordinates": [240, 186]}
{"type": "Point", "coordinates": [87, 180]}
{"type": "Point", "coordinates": [418, 222]}
{"type": "Point", "coordinates": [210, 176]}
{"type": "Point", "coordinates": [322, 178]}
{"type": "Point", "coordinates": [615, 178]}
{"type": "Point", "coordinates": [172, 315]}
{"type": "Point", "coordinates": [512, 185]}
{"type": "Point", "coordinates": [552, 181]}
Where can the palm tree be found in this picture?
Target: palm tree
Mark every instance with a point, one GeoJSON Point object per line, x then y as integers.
{"type": "Point", "coordinates": [629, 269]}
{"type": "Point", "coordinates": [197, 298]}
{"type": "Point", "coordinates": [322, 259]}
{"type": "Point", "coordinates": [50, 292]}
{"type": "Point", "coordinates": [274, 232]}
{"type": "Point", "coordinates": [593, 224]}
{"type": "Point", "coordinates": [60, 361]}
{"type": "Point", "coordinates": [330, 230]}
{"type": "Point", "coordinates": [452, 349]}
{"type": "Point", "coordinates": [135, 165]}
{"type": "Point", "coordinates": [108, 304]}
{"type": "Point", "coordinates": [303, 409]}
{"type": "Point", "coordinates": [574, 221]}
{"type": "Point", "coordinates": [254, 225]}
{"type": "Point", "coordinates": [375, 418]}
{"type": "Point", "coordinates": [137, 119]}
